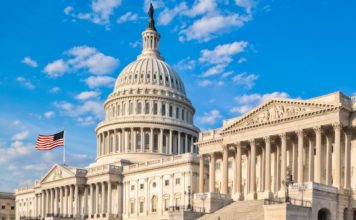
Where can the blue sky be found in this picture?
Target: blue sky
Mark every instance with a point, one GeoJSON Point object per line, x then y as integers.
{"type": "Point", "coordinates": [60, 59]}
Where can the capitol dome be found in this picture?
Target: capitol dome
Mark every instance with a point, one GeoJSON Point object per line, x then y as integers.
{"type": "Point", "coordinates": [148, 115]}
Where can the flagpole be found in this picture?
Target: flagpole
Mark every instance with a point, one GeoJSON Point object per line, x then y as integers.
{"type": "Point", "coordinates": [64, 148]}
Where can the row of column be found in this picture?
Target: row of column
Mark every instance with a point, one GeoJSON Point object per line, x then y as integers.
{"type": "Point", "coordinates": [302, 159]}
{"type": "Point", "coordinates": [59, 201]}
{"type": "Point", "coordinates": [65, 201]}
{"type": "Point", "coordinates": [145, 140]}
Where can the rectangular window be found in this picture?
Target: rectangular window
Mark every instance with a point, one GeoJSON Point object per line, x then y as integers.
{"type": "Point", "coordinates": [166, 182]}
{"type": "Point", "coordinates": [177, 181]}
{"type": "Point", "coordinates": [155, 108]}
{"type": "Point", "coordinates": [163, 109]}
{"type": "Point", "coordinates": [132, 187]}
{"type": "Point", "coordinates": [141, 207]}
{"type": "Point", "coordinates": [141, 186]}
{"type": "Point", "coordinates": [3, 207]}
{"type": "Point", "coordinates": [12, 207]}
{"type": "Point", "coordinates": [170, 111]}
{"type": "Point", "coordinates": [166, 204]}
{"type": "Point", "coordinates": [132, 207]}
{"type": "Point", "coordinates": [177, 113]}
{"type": "Point", "coordinates": [183, 114]}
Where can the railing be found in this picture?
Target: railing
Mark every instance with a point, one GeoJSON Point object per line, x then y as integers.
{"type": "Point", "coordinates": [103, 169]}
{"type": "Point", "coordinates": [297, 202]}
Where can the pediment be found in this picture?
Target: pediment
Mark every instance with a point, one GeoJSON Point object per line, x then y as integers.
{"type": "Point", "coordinates": [56, 173]}
{"type": "Point", "coordinates": [275, 111]}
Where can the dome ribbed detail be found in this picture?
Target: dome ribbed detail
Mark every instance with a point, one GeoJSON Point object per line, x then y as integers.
{"type": "Point", "coordinates": [150, 71]}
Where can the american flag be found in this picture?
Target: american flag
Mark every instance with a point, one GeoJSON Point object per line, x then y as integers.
{"type": "Point", "coordinates": [48, 142]}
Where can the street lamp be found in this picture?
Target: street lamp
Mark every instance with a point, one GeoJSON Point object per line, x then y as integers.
{"type": "Point", "coordinates": [189, 197]}
{"type": "Point", "coordinates": [289, 180]}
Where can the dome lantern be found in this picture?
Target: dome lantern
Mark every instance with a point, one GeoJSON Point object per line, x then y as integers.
{"type": "Point", "coordinates": [150, 39]}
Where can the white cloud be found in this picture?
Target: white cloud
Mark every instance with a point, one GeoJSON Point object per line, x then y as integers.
{"type": "Point", "coordinates": [167, 15]}
{"type": "Point", "coordinates": [87, 95]}
{"type": "Point", "coordinates": [227, 74]}
{"type": "Point", "coordinates": [16, 150]}
{"type": "Point", "coordinates": [56, 68]}
{"type": "Point", "coordinates": [55, 89]}
{"type": "Point", "coordinates": [222, 53]}
{"type": "Point", "coordinates": [49, 114]}
{"type": "Point", "coordinates": [185, 64]}
{"type": "Point", "coordinates": [220, 57]}
{"type": "Point", "coordinates": [135, 44]}
{"type": "Point", "coordinates": [247, 102]}
{"type": "Point", "coordinates": [66, 106]}
{"type": "Point", "coordinates": [99, 81]}
{"type": "Point", "coordinates": [25, 82]}
{"type": "Point", "coordinates": [29, 61]}
{"type": "Point", "coordinates": [21, 136]}
{"type": "Point", "coordinates": [128, 16]}
{"type": "Point", "coordinates": [101, 11]}
{"type": "Point", "coordinates": [210, 117]}
{"type": "Point", "coordinates": [204, 82]}
{"type": "Point", "coordinates": [86, 108]}
{"type": "Point", "coordinates": [242, 60]}
{"type": "Point", "coordinates": [85, 121]}
{"type": "Point", "coordinates": [82, 58]}
{"type": "Point", "coordinates": [245, 79]}
{"type": "Point", "coordinates": [201, 7]}
{"type": "Point", "coordinates": [214, 70]}
{"type": "Point", "coordinates": [246, 4]}
{"type": "Point", "coordinates": [211, 26]}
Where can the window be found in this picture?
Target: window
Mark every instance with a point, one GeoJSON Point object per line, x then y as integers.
{"type": "Point", "coordinates": [147, 141]}
{"type": "Point", "coordinates": [132, 187]}
{"type": "Point", "coordinates": [131, 108]}
{"type": "Point", "coordinates": [141, 186]}
{"type": "Point", "coordinates": [163, 109]}
{"type": "Point", "coordinates": [166, 182]}
{"type": "Point", "coordinates": [177, 113]}
{"type": "Point", "coordinates": [218, 165]}
{"type": "Point", "coordinates": [118, 110]}
{"type": "Point", "coordinates": [166, 204]}
{"type": "Point", "coordinates": [155, 108]}
{"type": "Point", "coordinates": [139, 108]}
{"type": "Point", "coordinates": [147, 108]}
{"type": "Point", "coordinates": [154, 204]}
{"type": "Point", "coordinates": [177, 181]}
{"type": "Point", "coordinates": [170, 111]}
{"type": "Point", "coordinates": [141, 207]}
{"type": "Point", "coordinates": [132, 207]}
{"type": "Point", "coordinates": [12, 207]}
{"type": "Point", "coordinates": [154, 184]}
{"type": "Point", "coordinates": [3, 207]}
{"type": "Point", "coordinates": [183, 114]}
{"type": "Point", "coordinates": [177, 201]}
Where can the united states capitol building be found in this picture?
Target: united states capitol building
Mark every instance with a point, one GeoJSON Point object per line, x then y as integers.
{"type": "Point", "coordinates": [285, 159]}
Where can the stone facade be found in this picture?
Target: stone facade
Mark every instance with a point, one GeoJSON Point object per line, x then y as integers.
{"type": "Point", "coordinates": [312, 141]}
{"type": "Point", "coordinates": [7, 206]}
{"type": "Point", "coordinates": [146, 161]}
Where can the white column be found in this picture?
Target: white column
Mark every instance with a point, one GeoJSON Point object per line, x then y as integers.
{"type": "Point", "coordinates": [96, 200]}
{"type": "Point", "coordinates": [70, 200]}
{"type": "Point", "coordinates": [160, 141]}
{"type": "Point", "coordinates": [115, 144]}
{"type": "Point", "coordinates": [142, 140]}
{"type": "Point", "coordinates": [328, 159]}
{"type": "Point", "coordinates": [311, 160]}
{"type": "Point", "coordinates": [252, 194]}
{"type": "Point", "coordinates": [347, 159]}
{"type": "Point", "coordinates": [103, 192]}
{"type": "Point", "coordinates": [283, 160]}
{"type": "Point", "coordinates": [212, 173]}
{"type": "Point", "coordinates": [201, 174]}
{"type": "Point", "coordinates": [61, 203]}
{"type": "Point", "coordinates": [76, 194]}
{"type": "Point", "coordinates": [170, 145]}
{"type": "Point", "coordinates": [65, 209]}
{"type": "Point", "coordinates": [179, 145]}
{"type": "Point", "coordinates": [224, 175]}
{"type": "Point", "coordinates": [337, 150]}
{"type": "Point", "coordinates": [268, 167]}
{"type": "Point", "coordinates": [86, 211]}
{"type": "Point", "coordinates": [300, 156]}
{"type": "Point", "coordinates": [43, 213]}
{"type": "Point", "coordinates": [91, 204]}
{"type": "Point", "coordinates": [318, 170]}
{"type": "Point", "coordinates": [238, 165]}
{"type": "Point", "coordinates": [109, 206]}
{"type": "Point", "coordinates": [120, 199]}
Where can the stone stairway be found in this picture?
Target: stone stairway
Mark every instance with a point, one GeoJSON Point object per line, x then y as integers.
{"type": "Point", "coordinates": [241, 210]}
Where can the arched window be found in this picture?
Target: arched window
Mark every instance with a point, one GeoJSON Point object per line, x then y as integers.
{"type": "Point", "coordinates": [155, 142]}
{"type": "Point", "coordinates": [147, 108]}
{"type": "Point", "coordinates": [139, 108]}
{"type": "Point", "coordinates": [154, 202]}
{"type": "Point", "coordinates": [113, 111]}
{"type": "Point", "coordinates": [138, 140]}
